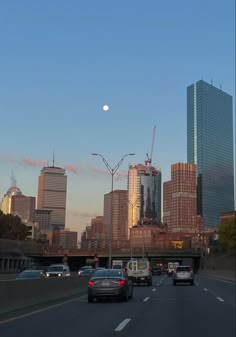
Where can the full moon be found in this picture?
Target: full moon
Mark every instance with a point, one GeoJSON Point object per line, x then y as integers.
{"type": "Point", "coordinates": [105, 107]}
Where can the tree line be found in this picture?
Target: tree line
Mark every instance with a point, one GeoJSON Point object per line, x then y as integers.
{"type": "Point", "coordinates": [12, 227]}
{"type": "Point", "coordinates": [227, 234]}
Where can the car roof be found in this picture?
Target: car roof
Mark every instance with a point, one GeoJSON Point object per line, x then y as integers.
{"type": "Point", "coordinates": [32, 270]}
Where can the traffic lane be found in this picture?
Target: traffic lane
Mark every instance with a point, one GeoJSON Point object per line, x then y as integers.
{"type": "Point", "coordinates": [99, 319]}
{"type": "Point", "coordinates": [224, 290]}
{"type": "Point", "coordinates": [183, 311]}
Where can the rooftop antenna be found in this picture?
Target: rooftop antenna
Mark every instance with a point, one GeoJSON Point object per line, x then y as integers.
{"type": "Point", "coordinates": [220, 87]}
{"type": "Point", "coordinates": [53, 159]}
{"type": "Point", "coordinates": [211, 81]}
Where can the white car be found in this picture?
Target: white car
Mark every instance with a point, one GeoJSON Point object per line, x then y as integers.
{"type": "Point", "coordinates": [58, 270]}
{"type": "Point", "coordinates": [183, 274]}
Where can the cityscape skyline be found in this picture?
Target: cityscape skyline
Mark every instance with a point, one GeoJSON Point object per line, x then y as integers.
{"type": "Point", "coordinates": [55, 81]}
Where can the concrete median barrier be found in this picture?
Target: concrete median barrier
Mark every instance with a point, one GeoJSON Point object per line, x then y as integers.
{"type": "Point", "coordinates": [19, 294]}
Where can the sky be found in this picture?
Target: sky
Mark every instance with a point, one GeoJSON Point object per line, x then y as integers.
{"type": "Point", "coordinates": [62, 60]}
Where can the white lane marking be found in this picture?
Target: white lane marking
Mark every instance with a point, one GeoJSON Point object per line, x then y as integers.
{"type": "Point", "coordinates": [146, 299]}
{"type": "Point", "coordinates": [220, 299]}
{"type": "Point", "coordinates": [122, 324]}
{"type": "Point", "coordinates": [205, 289]}
{"type": "Point", "coordinates": [154, 289]}
{"type": "Point", "coordinates": [40, 310]}
{"type": "Point", "coordinates": [157, 284]}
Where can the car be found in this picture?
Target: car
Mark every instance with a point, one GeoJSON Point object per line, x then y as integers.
{"type": "Point", "coordinates": [88, 271]}
{"type": "Point", "coordinates": [81, 270]}
{"type": "Point", "coordinates": [183, 274]}
{"type": "Point", "coordinates": [58, 270]}
{"type": "Point", "coordinates": [156, 271]}
{"type": "Point", "coordinates": [110, 283]}
{"type": "Point", "coordinates": [31, 274]}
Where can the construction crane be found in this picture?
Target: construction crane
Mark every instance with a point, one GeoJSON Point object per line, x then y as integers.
{"type": "Point", "coordinates": [149, 157]}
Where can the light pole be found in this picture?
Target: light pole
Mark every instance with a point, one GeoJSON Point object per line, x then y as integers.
{"type": "Point", "coordinates": [112, 171]}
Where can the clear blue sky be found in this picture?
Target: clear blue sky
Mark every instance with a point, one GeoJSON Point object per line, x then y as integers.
{"type": "Point", "coordinates": [61, 61]}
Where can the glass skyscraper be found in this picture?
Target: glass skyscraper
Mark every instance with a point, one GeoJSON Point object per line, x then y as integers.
{"type": "Point", "coordinates": [144, 194]}
{"type": "Point", "coordinates": [210, 146]}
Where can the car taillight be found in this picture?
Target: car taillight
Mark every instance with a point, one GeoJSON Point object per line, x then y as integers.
{"type": "Point", "coordinates": [90, 283]}
{"type": "Point", "coordinates": [149, 270]}
{"type": "Point", "coordinates": [121, 282]}
{"type": "Point", "coordinates": [126, 270]}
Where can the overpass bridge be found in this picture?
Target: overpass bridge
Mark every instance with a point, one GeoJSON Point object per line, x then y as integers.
{"type": "Point", "coordinates": [15, 255]}
{"type": "Point", "coordinates": [79, 257]}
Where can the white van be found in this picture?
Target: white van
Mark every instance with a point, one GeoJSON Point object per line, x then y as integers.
{"type": "Point", "coordinates": [58, 270]}
{"type": "Point", "coordinates": [139, 271]}
{"type": "Point", "coordinates": [172, 267]}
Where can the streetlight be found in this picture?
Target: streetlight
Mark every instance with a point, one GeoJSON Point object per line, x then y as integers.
{"type": "Point", "coordinates": [112, 171]}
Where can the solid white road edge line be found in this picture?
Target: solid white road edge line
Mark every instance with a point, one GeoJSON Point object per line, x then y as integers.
{"type": "Point", "coordinates": [122, 324]}
{"type": "Point", "coordinates": [39, 310]}
{"type": "Point", "coordinates": [154, 289]}
{"type": "Point", "coordinates": [205, 289]}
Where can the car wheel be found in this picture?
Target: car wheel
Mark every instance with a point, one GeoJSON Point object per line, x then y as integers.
{"type": "Point", "coordinates": [174, 283]}
{"type": "Point", "coordinates": [90, 299]}
{"type": "Point", "coordinates": [126, 296]}
{"type": "Point", "coordinates": [150, 283]}
{"type": "Point", "coordinates": [192, 283]}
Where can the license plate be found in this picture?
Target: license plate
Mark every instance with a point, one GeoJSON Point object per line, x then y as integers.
{"type": "Point", "coordinates": [105, 284]}
{"type": "Point", "coordinates": [142, 278]}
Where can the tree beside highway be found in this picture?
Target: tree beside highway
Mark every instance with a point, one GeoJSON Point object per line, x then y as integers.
{"type": "Point", "coordinates": [227, 234]}
{"type": "Point", "coordinates": [11, 227]}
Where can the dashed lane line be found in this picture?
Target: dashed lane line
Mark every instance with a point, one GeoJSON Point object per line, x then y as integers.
{"type": "Point", "coordinates": [146, 299]}
{"type": "Point", "coordinates": [154, 289]}
{"type": "Point", "coordinates": [220, 299]}
{"type": "Point", "coordinates": [123, 324]}
{"type": "Point", "coordinates": [205, 289]}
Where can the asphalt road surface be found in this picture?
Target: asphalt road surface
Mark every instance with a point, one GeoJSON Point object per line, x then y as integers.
{"type": "Point", "coordinates": [204, 310]}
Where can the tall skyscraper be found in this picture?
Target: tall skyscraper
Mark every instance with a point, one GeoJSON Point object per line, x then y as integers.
{"type": "Point", "coordinates": [115, 211]}
{"type": "Point", "coordinates": [210, 147]}
{"type": "Point", "coordinates": [52, 187]}
{"type": "Point", "coordinates": [180, 198]}
{"type": "Point", "coordinates": [144, 194]}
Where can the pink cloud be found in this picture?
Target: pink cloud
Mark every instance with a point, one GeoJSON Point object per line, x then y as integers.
{"type": "Point", "coordinates": [72, 168]}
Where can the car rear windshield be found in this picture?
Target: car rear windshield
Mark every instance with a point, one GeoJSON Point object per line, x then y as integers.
{"type": "Point", "coordinates": [138, 265]}
{"type": "Point", "coordinates": [183, 269]}
{"type": "Point", "coordinates": [55, 268]}
{"type": "Point", "coordinates": [108, 273]}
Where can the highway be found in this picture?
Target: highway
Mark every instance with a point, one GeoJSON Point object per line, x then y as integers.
{"type": "Point", "coordinates": [204, 310]}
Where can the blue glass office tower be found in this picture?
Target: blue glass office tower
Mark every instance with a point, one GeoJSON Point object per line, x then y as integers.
{"type": "Point", "coordinates": [210, 146]}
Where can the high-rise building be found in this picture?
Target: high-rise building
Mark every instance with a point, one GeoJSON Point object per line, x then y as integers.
{"type": "Point", "coordinates": [52, 187]}
{"type": "Point", "coordinates": [42, 219]}
{"type": "Point", "coordinates": [180, 199]}
{"type": "Point", "coordinates": [24, 207]}
{"type": "Point", "coordinates": [144, 195]}
{"type": "Point", "coordinates": [97, 227]}
{"type": "Point", "coordinates": [65, 238]}
{"type": "Point", "coordinates": [210, 147]}
{"type": "Point", "coordinates": [115, 213]}
{"type": "Point", "coordinates": [7, 199]}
